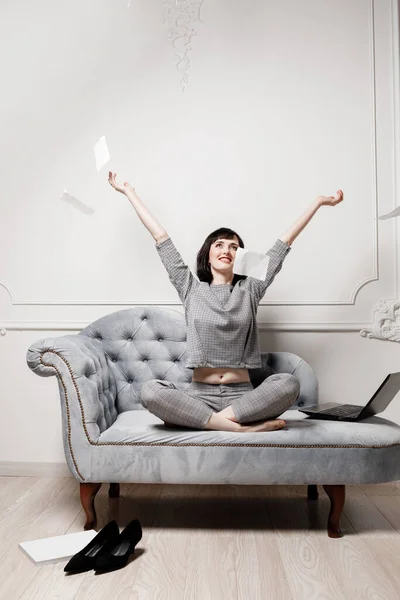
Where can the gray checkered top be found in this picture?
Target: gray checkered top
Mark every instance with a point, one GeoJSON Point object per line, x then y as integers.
{"type": "Point", "coordinates": [221, 319]}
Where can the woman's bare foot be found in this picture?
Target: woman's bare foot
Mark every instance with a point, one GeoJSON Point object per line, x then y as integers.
{"type": "Point", "coordinates": [219, 422]}
{"type": "Point", "coordinates": [271, 425]}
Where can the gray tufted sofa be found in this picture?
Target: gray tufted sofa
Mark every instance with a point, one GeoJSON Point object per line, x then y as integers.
{"type": "Point", "coordinates": [109, 437]}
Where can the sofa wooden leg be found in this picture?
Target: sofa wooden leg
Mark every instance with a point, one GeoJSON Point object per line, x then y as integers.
{"type": "Point", "coordinates": [88, 492]}
{"type": "Point", "coordinates": [113, 491]}
{"type": "Point", "coordinates": [336, 495]}
{"type": "Point", "coordinates": [312, 492]}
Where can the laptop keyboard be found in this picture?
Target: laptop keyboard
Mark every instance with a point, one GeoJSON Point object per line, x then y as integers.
{"type": "Point", "coordinates": [346, 410]}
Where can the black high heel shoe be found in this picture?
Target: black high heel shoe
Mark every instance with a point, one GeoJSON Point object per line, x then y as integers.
{"type": "Point", "coordinates": [84, 560]}
{"type": "Point", "coordinates": [115, 556]}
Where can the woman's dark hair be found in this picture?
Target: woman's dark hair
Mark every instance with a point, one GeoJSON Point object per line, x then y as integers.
{"type": "Point", "coordinates": [203, 268]}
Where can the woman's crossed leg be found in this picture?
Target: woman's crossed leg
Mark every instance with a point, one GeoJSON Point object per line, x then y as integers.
{"type": "Point", "coordinates": [253, 410]}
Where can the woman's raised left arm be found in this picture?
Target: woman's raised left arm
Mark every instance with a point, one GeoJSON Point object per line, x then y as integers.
{"type": "Point", "coordinates": [291, 234]}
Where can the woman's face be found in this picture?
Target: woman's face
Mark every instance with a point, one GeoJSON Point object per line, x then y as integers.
{"type": "Point", "coordinates": [222, 254]}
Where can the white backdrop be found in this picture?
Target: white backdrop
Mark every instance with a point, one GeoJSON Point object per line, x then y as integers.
{"type": "Point", "coordinates": [283, 101]}
{"type": "Point", "coordinates": [282, 104]}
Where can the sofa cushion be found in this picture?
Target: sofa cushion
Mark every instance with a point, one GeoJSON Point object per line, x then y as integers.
{"type": "Point", "coordinates": [139, 448]}
{"type": "Point", "coordinates": [142, 427]}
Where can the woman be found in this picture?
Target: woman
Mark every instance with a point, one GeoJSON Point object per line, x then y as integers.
{"type": "Point", "coordinates": [222, 334]}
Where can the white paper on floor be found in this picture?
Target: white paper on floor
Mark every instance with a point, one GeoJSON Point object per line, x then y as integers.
{"type": "Point", "coordinates": [394, 213]}
{"type": "Point", "coordinates": [60, 547]}
{"type": "Point", "coordinates": [101, 153]}
{"type": "Point", "coordinates": [251, 263]}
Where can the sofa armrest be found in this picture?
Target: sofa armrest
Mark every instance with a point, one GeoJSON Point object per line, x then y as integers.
{"type": "Point", "coordinates": [287, 362]}
{"type": "Point", "coordinates": [87, 391]}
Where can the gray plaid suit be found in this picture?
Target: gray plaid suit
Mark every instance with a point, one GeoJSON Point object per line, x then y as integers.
{"type": "Point", "coordinates": [221, 333]}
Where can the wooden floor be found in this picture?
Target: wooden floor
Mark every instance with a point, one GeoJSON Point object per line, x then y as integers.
{"type": "Point", "coordinates": [208, 542]}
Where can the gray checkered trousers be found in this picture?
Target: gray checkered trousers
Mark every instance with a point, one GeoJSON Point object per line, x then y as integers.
{"type": "Point", "coordinates": [194, 406]}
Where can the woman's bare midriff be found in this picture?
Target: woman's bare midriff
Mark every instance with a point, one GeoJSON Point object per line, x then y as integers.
{"type": "Point", "coordinates": [211, 375]}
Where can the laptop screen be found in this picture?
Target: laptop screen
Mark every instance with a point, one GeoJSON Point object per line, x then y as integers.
{"type": "Point", "coordinates": [383, 396]}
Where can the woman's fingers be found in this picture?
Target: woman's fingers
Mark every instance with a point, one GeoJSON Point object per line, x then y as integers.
{"type": "Point", "coordinates": [338, 196]}
{"type": "Point", "coordinates": [331, 200]}
{"type": "Point", "coordinates": [115, 182]}
{"type": "Point", "coordinates": [112, 181]}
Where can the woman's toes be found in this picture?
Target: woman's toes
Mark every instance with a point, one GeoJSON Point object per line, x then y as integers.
{"type": "Point", "coordinates": [275, 424]}
{"type": "Point", "coordinates": [269, 425]}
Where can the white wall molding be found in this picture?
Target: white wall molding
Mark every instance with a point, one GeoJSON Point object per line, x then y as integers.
{"type": "Point", "coordinates": [386, 313]}
{"type": "Point", "coordinates": [375, 275]}
{"type": "Point", "coordinates": [396, 120]}
{"type": "Point", "coordinates": [277, 326]}
{"type": "Point", "coordinates": [9, 292]}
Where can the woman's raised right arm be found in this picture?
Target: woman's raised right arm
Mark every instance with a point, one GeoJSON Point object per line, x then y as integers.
{"type": "Point", "coordinates": [180, 275]}
{"type": "Point", "coordinates": [158, 232]}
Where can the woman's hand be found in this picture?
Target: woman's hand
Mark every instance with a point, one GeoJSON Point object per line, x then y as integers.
{"type": "Point", "coordinates": [330, 200]}
{"type": "Point", "coordinates": [120, 187]}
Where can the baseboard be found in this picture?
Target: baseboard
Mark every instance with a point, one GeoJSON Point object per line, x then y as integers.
{"type": "Point", "coordinates": [34, 469]}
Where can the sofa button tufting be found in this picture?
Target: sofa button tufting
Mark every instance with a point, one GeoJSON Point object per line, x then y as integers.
{"type": "Point", "coordinates": [130, 380]}
{"type": "Point", "coordinates": [300, 403]}
{"type": "Point", "coordinates": [114, 360]}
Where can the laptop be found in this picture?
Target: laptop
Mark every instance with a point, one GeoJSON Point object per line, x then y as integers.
{"type": "Point", "coordinates": [352, 412]}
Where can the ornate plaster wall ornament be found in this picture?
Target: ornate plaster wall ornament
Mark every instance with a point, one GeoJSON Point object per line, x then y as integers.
{"type": "Point", "coordinates": [386, 325]}
{"type": "Point", "coordinates": [180, 15]}
{"type": "Point", "coordinates": [386, 314]}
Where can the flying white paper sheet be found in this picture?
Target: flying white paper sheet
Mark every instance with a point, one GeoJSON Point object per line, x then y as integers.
{"type": "Point", "coordinates": [57, 548]}
{"type": "Point", "coordinates": [83, 208]}
{"type": "Point", "coordinates": [101, 153]}
{"type": "Point", "coordinates": [394, 213]}
{"type": "Point", "coordinates": [250, 263]}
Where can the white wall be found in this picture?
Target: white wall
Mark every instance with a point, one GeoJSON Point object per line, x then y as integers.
{"type": "Point", "coordinates": [284, 101]}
